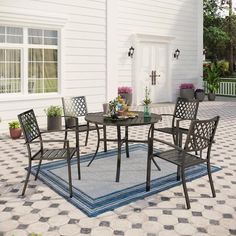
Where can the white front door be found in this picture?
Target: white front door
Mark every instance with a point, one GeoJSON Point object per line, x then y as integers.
{"type": "Point", "coordinates": [152, 72]}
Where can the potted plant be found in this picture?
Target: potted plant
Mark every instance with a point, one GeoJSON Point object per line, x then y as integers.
{"type": "Point", "coordinates": [146, 102]}
{"type": "Point", "coordinates": [212, 77]}
{"type": "Point", "coordinates": [15, 129]}
{"type": "Point", "coordinates": [199, 94]}
{"type": "Point", "coordinates": [187, 90]}
{"type": "Point", "coordinates": [54, 117]}
{"type": "Point", "coordinates": [126, 94]}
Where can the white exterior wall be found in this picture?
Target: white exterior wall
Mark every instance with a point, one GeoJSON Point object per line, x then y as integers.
{"type": "Point", "coordinates": [96, 36]}
{"type": "Point", "coordinates": [83, 52]}
{"type": "Point", "coordinates": [181, 19]}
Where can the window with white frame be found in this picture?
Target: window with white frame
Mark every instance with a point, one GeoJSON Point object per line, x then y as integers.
{"type": "Point", "coordinates": [28, 60]}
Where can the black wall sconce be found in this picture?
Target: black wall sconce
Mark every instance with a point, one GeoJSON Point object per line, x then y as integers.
{"type": "Point", "coordinates": [177, 53]}
{"type": "Point", "coordinates": [131, 52]}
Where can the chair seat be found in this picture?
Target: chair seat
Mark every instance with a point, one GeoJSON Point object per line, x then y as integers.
{"type": "Point", "coordinates": [174, 156]}
{"type": "Point", "coordinates": [170, 130]}
{"type": "Point", "coordinates": [51, 154]}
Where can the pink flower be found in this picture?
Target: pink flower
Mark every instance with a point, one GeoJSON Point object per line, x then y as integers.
{"type": "Point", "coordinates": [186, 86]}
{"type": "Point", "coordinates": [124, 90]}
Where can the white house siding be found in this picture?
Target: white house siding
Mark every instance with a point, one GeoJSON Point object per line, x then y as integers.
{"type": "Point", "coordinates": [83, 58]}
{"type": "Point", "coordinates": [175, 18]}
{"type": "Point", "coordinates": [96, 38]}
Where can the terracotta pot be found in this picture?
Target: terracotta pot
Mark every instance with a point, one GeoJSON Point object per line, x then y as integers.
{"type": "Point", "coordinates": [15, 133]}
{"type": "Point", "coordinates": [54, 122]}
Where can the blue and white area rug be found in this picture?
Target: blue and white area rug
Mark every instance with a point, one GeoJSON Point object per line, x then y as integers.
{"type": "Point", "coordinates": [97, 191]}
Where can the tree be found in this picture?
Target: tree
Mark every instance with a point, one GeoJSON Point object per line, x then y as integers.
{"type": "Point", "coordinates": [215, 37]}
{"type": "Point", "coordinates": [219, 30]}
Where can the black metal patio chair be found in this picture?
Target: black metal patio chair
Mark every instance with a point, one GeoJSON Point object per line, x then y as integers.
{"type": "Point", "coordinates": [77, 107]}
{"type": "Point", "coordinates": [200, 137]}
{"type": "Point", "coordinates": [33, 135]}
{"type": "Point", "coordinates": [184, 110]}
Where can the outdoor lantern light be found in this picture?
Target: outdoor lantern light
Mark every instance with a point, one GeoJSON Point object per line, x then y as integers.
{"type": "Point", "coordinates": [176, 54]}
{"type": "Point", "coordinates": [131, 52]}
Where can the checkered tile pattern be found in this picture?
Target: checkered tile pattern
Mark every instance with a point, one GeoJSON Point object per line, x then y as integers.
{"type": "Point", "coordinates": [164, 214]}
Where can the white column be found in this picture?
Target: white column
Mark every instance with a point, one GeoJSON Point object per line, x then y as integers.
{"type": "Point", "coordinates": [112, 75]}
{"type": "Point", "coordinates": [200, 40]}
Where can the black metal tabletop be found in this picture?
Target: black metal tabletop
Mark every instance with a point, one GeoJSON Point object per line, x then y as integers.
{"type": "Point", "coordinates": [100, 119]}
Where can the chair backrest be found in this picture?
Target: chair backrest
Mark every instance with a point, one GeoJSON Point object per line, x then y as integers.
{"type": "Point", "coordinates": [186, 109]}
{"type": "Point", "coordinates": [75, 106]}
{"type": "Point", "coordinates": [29, 125]}
{"type": "Point", "coordinates": [201, 134]}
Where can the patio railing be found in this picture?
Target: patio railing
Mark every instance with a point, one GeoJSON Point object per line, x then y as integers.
{"type": "Point", "coordinates": [227, 87]}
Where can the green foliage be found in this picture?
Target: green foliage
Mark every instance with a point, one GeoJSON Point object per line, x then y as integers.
{"type": "Point", "coordinates": [147, 99]}
{"type": "Point", "coordinates": [53, 111]}
{"type": "Point", "coordinates": [219, 29]}
{"type": "Point", "coordinates": [14, 124]}
{"type": "Point", "coordinates": [212, 77]}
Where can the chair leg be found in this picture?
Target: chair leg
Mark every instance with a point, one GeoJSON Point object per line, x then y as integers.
{"type": "Point", "coordinates": [69, 178]}
{"type": "Point", "coordinates": [39, 165]}
{"type": "Point", "coordinates": [178, 173]}
{"type": "Point", "coordinates": [185, 189]}
{"type": "Point", "coordinates": [27, 178]}
{"type": "Point", "coordinates": [210, 179]}
{"type": "Point", "coordinates": [64, 146]}
{"type": "Point", "coordinates": [86, 140]}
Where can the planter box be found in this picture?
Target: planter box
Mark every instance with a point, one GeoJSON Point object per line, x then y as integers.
{"type": "Point", "coordinates": [200, 96]}
{"type": "Point", "coordinates": [211, 96]}
{"type": "Point", "coordinates": [54, 123]}
{"type": "Point", "coordinates": [187, 93]}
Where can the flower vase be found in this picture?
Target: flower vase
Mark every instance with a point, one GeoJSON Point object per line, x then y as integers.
{"type": "Point", "coordinates": [146, 111]}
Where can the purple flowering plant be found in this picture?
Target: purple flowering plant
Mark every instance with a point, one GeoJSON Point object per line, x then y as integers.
{"type": "Point", "coordinates": [124, 89]}
{"type": "Point", "coordinates": [186, 86]}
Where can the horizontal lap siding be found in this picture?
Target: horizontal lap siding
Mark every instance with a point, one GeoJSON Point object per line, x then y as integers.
{"type": "Point", "coordinates": [177, 18]}
{"type": "Point", "coordinates": [84, 54]}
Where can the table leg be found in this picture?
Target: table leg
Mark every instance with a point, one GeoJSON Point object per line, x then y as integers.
{"type": "Point", "coordinates": [98, 142]}
{"type": "Point", "coordinates": [105, 137]}
{"type": "Point", "coordinates": [126, 141]}
{"type": "Point", "coordinates": [149, 157]}
{"type": "Point", "coordinates": [118, 154]}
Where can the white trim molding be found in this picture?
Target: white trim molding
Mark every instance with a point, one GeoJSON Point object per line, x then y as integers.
{"type": "Point", "coordinates": [112, 75]}
{"type": "Point", "coordinates": [28, 18]}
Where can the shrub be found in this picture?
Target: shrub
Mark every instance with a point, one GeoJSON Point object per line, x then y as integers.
{"type": "Point", "coordinates": [14, 124]}
{"type": "Point", "coordinates": [53, 111]}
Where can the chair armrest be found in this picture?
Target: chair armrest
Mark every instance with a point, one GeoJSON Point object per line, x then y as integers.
{"type": "Point", "coordinates": [169, 144]}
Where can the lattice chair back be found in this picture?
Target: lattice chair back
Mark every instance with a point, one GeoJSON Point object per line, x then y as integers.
{"type": "Point", "coordinates": [201, 134]}
{"type": "Point", "coordinates": [186, 109]}
{"type": "Point", "coordinates": [75, 106]}
{"type": "Point", "coordinates": [29, 126]}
